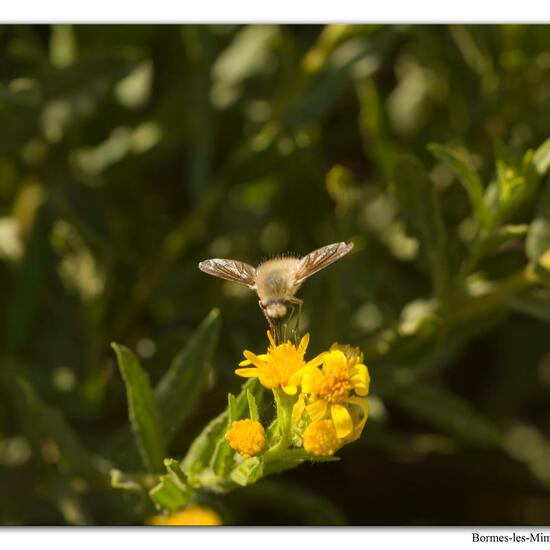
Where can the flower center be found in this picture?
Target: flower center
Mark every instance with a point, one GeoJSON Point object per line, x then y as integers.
{"type": "Point", "coordinates": [336, 385]}
{"type": "Point", "coordinates": [247, 437]}
{"type": "Point", "coordinates": [283, 362]}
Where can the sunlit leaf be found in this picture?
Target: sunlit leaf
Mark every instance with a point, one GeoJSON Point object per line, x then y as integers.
{"type": "Point", "coordinates": [203, 447]}
{"type": "Point", "coordinates": [179, 390]}
{"type": "Point", "coordinates": [141, 409]}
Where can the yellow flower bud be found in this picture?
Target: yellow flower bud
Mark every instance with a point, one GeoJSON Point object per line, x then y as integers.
{"type": "Point", "coordinates": [193, 515]}
{"type": "Point", "coordinates": [320, 438]}
{"type": "Point", "coordinates": [247, 437]}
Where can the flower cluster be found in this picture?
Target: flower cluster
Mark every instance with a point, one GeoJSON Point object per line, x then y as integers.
{"type": "Point", "coordinates": [324, 395]}
{"type": "Point", "coordinates": [247, 437]}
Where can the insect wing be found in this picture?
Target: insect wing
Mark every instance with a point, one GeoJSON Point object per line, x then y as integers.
{"type": "Point", "coordinates": [230, 270]}
{"type": "Point", "coordinates": [319, 259]}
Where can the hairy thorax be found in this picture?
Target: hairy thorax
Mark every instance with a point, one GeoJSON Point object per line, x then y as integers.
{"type": "Point", "coordinates": [275, 280]}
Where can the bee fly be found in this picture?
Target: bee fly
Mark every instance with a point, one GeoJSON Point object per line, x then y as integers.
{"type": "Point", "coordinates": [276, 281]}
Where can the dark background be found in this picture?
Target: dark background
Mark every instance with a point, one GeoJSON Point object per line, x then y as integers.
{"type": "Point", "coordinates": [130, 153]}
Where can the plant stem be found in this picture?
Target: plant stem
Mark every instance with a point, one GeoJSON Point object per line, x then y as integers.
{"type": "Point", "coordinates": [284, 415]}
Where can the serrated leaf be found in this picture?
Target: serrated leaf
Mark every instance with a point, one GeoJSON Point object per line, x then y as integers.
{"type": "Point", "coordinates": [252, 407]}
{"type": "Point", "coordinates": [292, 458]}
{"type": "Point", "coordinates": [141, 409]}
{"type": "Point", "coordinates": [469, 178]}
{"type": "Point", "coordinates": [168, 495]}
{"type": "Point", "coordinates": [178, 391]}
{"type": "Point", "coordinates": [202, 448]}
{"type": "Point", "coordinates": [248, 471]}
{"type": "Point", "coordinates": [222, 458]}
{"type": "Point", "coordinates": [121, 480]}
{"type": "Point", "coordinates": [174, 471]}
{"type": "Point", "coordinates": [419, 203]}
{"type": "Point", "coordinates": [446, 411]}
{"type": "Point", "coordinates": [234, 413]}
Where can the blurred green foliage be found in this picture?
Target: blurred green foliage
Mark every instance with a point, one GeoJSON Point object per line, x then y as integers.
{"type": "Point", "coordinates": [130, 153]}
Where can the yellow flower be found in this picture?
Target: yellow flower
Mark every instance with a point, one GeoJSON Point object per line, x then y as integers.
{"type": "Point", "coordinates": [320, 438]}
{"type": "Point", "coordinates": [358, 422]}
{"type": "Point", "coordinates": [247, 437]}
{"type": "Point", "coordinates": [353, 355]}
{"type": "Point", "coordinates": [193, 515]}
{"type": "Point", "coordinates": [277, 367]}
{"type": "Point", "coordinates": [330, 389]}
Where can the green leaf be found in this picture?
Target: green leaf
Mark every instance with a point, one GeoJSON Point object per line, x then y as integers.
{"type": "Point", "coordinates": [292, 458]}
{"type": "Point", "coordinates": [172, 492]}
{"type": "Point", "coordinates": [501, 236]}
{"type": "Point", "coordinates": [141, 409]}
{"type": "Point", "coordinates": [252, 407]}
{"type": "Point", "coordinates": [174, 470]}
{"type": "Point", "coordinates": [419, 203]}
{"type": "Point", "coordinates": [248, 471]}
{"type": "Point", "coordinates": [201, 450]}
{"type": "Point", "coordinates": [169, 495]}
{"type": "Point", "coordinates": [538, 237]}
{"type": "Point", "coordinates": [446, 411]}
{"type": "Point", "coordinates": [20, 306]}
{"type": "Point", "coordinates": [517, 184]}
{"type": "Point", "coordinates": [469, 178]}
{"type": "Point", "coordinates": [373, 124]}
{"type": "Point", "coordinates": [234, 413]}
{"type": "Point", "coordinates": [541, 158]}
{"type": "Point", "coordinates": [358, 53]}
{"type": "Point", "coordinates": [178, 391]}
{"type": "Point", "coordinates": [124, 481]}
{"type": "Point", "coordinates": [222, 458]}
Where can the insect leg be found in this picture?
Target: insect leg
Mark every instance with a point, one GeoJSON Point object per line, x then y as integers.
{"type": "Point", "coordinates": [289, 319]}
{"type": "Point", "coordinates": [272, 327]}
{"type": "Point", "coordinates": [299, 303]}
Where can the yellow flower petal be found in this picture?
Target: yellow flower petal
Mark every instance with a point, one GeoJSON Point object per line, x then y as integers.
{"type": "Point", "coordinates": [254, 359]}
{"type": "Point", "coordinates": [342, 420]}
{"type": "Point", "coordinates": [250, 372]}
{"type": "Point", "coordinates": [302, 347]}
{"type": "Point", "coordinates": [266, 380]}
{"type": "Point", "coordinates": [317, 409]}
{"type": "Point", "coordinates": [360, 379]}
{"type": "Point", "coordinates": [358, 428]}
{"type": "Point", "coordinates": [362, 404]}
{"type": "Point", "coordinates": [311, 380]}
{"type": "Point", "coordinates": [290, 389]}
{"type": "Point", "coordinates": [316, 361]}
